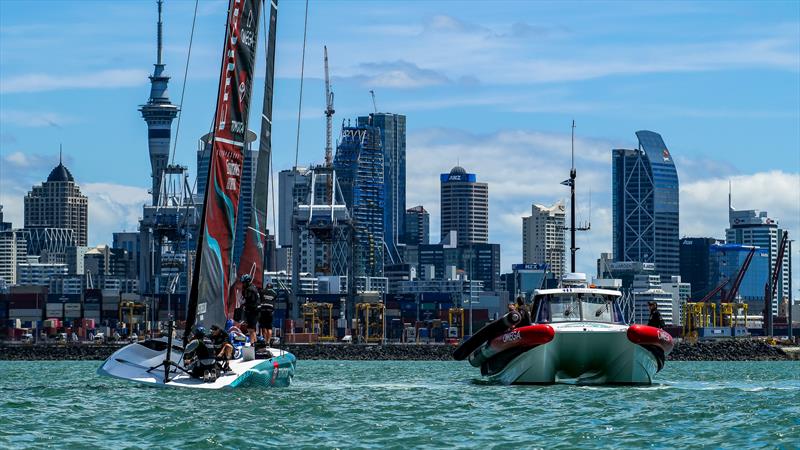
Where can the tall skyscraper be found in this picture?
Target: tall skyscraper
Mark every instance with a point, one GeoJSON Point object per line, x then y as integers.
{"type": "Point", "coordinates": [543, 237]}
{"type": "Point", "coordinates": [417, 226]}
{"type": "Point", "coordinates": [645, 205]}
{"type": "Point", "coordinates": [58, 204]}
{"type": "Point", "coordinates": [248, 181]}
{"type": "Point", "coordinates": [359, 168]}
{"type": "Point", "coordinates": [158, 112]}
{"type": "Point", "coordinates": [754, 227]}
{"type": "Point", "coordinates": [695, 264]}
{"type": "Point", "coordinates": [465, 207]}
{"type": "Point", "coordinates": [393, 142]}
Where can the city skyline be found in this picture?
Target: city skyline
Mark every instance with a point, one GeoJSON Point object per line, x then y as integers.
{"type": "Point", "coordinates": [505, 151]}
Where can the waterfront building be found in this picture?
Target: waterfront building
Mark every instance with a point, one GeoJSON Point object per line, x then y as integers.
{"type": "Point", "coordinates": [480, 261]}
{"type": "Point", "coordinates": [417, 226]}
{"type": "Point", "coordinates": [36, 273]}
{"type": "Point", "coordinates": [464, 204]}
{"type": "Point", "coordinates": [158, 113]}
{"type": "Point", "coordinates": [397, 273]}
{"type": "Point", "coordinates": [755, 228]}
{"type": "Point", "coordinates": [645, 205]}
{"type": "Point", "coordinates": [294, 186]}
{"type": "Point", "coordinates": [75, 257]}
{"type": "Point", "coordinates": [526, 278]}
{"type": "Point", "coordinates": [247, 181]}
{"type": "Point", "coordinates": [13, 250]}
{"type": "Point", "coordinates": [645, 289]}
{"type": "Point", "coordinates": [727, 260]}
{"type": "Point", "coordinates": [681, 293]}
{"type": "Point", "coordinates": [129, 241]}
{"type": "Point", "coordinates": [393, 143]}
{"type": "Point", "coordinates": [543, 237]}
{"type": "Point", "coordinates": [696, 267]}
{"type": "Point", "coordinates": [359, 170]}
{"type": "Point", "coordinates": [625, 271]}
{"type": "Point", "coordinates": [56, 214]}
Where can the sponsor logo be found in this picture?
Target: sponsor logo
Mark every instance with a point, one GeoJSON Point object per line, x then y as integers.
{"type": "Point", "coordinates": [512, 336]}
{"type": "Point", "coordinates": [356, 134]}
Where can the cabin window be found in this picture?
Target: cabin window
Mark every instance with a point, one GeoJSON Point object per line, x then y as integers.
{"type": "Point", "coordinates": [577, 307]}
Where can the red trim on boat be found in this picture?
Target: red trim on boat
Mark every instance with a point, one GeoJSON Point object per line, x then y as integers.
{"type": "Point", "coordinates": [647, 335]}
{"type": "Point", "coordinates": [527, 336]}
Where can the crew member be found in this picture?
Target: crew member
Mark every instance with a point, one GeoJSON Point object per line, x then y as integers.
{"type": "Point", "coordinates": [251, 301]}
{"type": "Point", "coordinates": [197, 361]}
{"type": "Point", "coordinates": [223, 350]}
{"type": "Point", "coordinates": [265, 312]}
{"type": "Point", "coordinates": [655, 316]}
{"type": "Point", "coordinates": [523, 311]}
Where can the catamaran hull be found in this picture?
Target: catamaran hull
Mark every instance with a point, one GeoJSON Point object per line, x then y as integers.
{"type": "Point", "coordinates": [134, 362]}
{"type": "Point", "coordinates": [582, 357]}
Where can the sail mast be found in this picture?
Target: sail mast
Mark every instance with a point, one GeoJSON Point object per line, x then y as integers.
{"type": "Point", "coordinates": [252, 260]}
{"type": "Point", "coordinates": [209, 294]}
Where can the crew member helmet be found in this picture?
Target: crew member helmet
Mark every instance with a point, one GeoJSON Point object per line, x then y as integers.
{"type": "Point", "coordinates": [199, 332]}
{"type": "Point", "coordinates": [246, 278]}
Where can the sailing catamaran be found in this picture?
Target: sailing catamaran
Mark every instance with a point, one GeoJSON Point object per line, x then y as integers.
{"type": "Point", "coordinates": [213, 295]}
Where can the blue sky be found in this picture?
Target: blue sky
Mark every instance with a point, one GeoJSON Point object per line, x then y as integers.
{"type": "Point", "coordinates": [492, 86]}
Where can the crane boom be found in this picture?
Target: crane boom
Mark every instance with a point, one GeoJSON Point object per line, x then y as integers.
{"type": "Point", "coordinates": [739, 277]}
{"type": "Point", "coordinates": [374, 105]}
{"type": "Point", "coordinates": [328, 115]}
{"type": "Point", "coordinates": [772, 284]}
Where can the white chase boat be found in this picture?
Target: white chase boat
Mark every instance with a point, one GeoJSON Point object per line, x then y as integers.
{"type": "Point", "coordinates": [578, 336]}
{"type": "Point", "coordinates": [213, 294]}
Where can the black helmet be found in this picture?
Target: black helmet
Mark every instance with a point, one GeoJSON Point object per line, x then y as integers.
{"type": "Point", "coordinates": [199, 331]}
{"type": "Point", "coordinates": [246, 278]}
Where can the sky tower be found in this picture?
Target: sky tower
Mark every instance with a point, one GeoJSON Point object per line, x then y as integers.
{"type": "Point", "coordinates": [158, 113]}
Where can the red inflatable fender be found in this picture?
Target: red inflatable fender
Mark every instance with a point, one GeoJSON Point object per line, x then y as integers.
{"type": "Point", "coordinates": [647, 335]}
{"type": "Point", "coordinates": [527, 336]}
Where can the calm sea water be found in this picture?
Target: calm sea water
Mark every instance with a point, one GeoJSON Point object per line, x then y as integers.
{"type": "Point", "coordinates": [404, 404]}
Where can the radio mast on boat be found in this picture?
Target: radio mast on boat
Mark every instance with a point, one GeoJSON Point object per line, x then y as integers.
{"type": "Point", "coordinates": [572, 226]}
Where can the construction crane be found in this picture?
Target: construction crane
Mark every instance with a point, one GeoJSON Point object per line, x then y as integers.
{"type": "Point", "coordinates": [772, 284]}
{"type": "Point", "coordinates": [374, 105]}
{"type": "Point", "coordinates": [328, 115]}
{"type": "Point", "coordinates": [731, 296]}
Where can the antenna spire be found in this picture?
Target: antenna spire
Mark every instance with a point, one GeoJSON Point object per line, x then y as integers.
{"type": "Point", "coordinates": [60, 153]}
{"type": "Point", "coordinates": [158, 58]}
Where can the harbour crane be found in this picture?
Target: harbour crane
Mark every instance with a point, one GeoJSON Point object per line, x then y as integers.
{"type": "Point", "coordinates": [374, 105]}
{"type": "Point", "coordinates": [328, 115]}
{"type": "Point", "coordinates": [772, 284]}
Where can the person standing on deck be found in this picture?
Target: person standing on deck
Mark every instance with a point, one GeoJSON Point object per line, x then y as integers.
{"type": "Point", "coordinates": [655, 319]}
{"type": "Point", "coordinates": [251, 302]}
{"type": "Point", "coordinates": [266, 309]}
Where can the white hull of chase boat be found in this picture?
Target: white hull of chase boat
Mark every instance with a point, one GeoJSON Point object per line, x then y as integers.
{"type": "Point", "coordinates": [142, 364]}
{"type": "Point", "coordinates": [584, 353]}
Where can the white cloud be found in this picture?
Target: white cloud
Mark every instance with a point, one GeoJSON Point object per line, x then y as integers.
{"type": "Point", "coordinates": [113, 207]}
{"type": "Point", "coordinates": [105, 79]}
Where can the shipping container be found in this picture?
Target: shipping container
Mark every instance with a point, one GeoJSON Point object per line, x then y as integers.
{"type": "Point", "coordinates": [72, 310]}
{"type": "Point", "coordinates": [54, 310]}
{"type": "Point", "coordinates": [25, 314]}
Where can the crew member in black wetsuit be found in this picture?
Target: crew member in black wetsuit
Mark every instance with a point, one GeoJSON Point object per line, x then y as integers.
{"type": "Point", "coordinates": [251, 301]}
{"type": "Point", "coordinates": [265, 312]}
{"type": "Point", "coordinates": [523, 311]}
{"type": "Point", "coordinates": [199, 360]}
{"type": "Point", "coordinates": [655, 316]}
{"type": "Point", "coordinates": [223, 350]}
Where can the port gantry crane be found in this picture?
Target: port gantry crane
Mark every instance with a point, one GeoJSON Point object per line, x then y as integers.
{"type": "Point", "coordinates": [772, 285]}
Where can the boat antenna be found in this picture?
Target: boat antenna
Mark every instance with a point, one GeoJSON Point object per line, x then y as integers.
{"type": "Point", "coordinates": [571, 183]}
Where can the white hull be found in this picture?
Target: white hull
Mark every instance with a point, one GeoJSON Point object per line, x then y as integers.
{"type": "Point", "coordinates": [582, 353]}
{"type": "Point", "coordinates": [133, 363]}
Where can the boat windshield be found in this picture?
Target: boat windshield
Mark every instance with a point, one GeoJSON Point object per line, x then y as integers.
{"type": "Point", "coordinates": [578, 307]}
